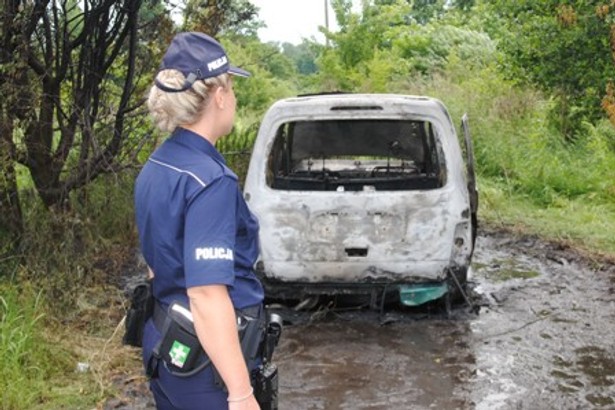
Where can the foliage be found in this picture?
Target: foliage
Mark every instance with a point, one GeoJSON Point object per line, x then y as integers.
{"type": "Point", "coordinates": [68, 250]}
{"type": "Point", "coordinates": [273, 75]}
{"type": "Point", "coordinates": [28, 359]}
{"type": "Point", "coordinates": [519, 145]}
{"type": "Point", "coordinates": [428, 48]}
{"type": "Point", "coordinates": [55, 309]}
{"type": "Point", "coordinates": [381, 49]}
{"type": "Point", "coordinates": [303, 55]}
{"type": "Point", "coordinates": [516, 143]}
{"type": "Point", "coordinates": [564, 48]}
{"type": "Point", "coordinates": [361, 49]}
{"type": "Point", "coordinates": [426, 10]}
{"type": "Point", "coordinates": [376, 49]}
{"type": "Point", "coordinates": [73, 75]}
{"type": "Point", "coordinates": [71, 80]}
{"type": "Point", "coordinates": [237, 148]}
{"type": "Point", "coordinates": [221, 17]}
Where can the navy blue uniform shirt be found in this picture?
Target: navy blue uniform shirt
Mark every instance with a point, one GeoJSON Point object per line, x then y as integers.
{"type": "Point", "coordinates": [194, 225]}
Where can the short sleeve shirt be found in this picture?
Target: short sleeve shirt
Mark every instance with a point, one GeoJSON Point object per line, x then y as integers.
{"type": "Point", "coordinates": [194, 226]}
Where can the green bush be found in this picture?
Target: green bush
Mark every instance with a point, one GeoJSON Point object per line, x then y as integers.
{"type": "Point", "coordinates": [89, 242]}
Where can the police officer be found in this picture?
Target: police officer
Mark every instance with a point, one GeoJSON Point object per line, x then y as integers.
{"type": "Point", "coordinates": [197, 234]}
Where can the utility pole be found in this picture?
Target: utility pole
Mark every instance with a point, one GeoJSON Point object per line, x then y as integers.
{"type": "Point", "coordinates": [327, 20]}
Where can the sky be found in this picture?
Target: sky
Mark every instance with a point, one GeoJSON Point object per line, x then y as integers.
{"type": "Point", "coordinates": [292, 20]}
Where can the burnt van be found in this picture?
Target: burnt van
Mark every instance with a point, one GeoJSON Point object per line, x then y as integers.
{"type": "Point", "coordinates": [363, 194]}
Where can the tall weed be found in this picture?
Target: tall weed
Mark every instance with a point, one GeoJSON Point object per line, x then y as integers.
{"type": "Point", "coordinates": [28, 359]}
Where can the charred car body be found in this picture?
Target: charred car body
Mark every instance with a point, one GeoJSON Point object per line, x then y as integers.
{"type": "Point", "coordinates": [362, 193]}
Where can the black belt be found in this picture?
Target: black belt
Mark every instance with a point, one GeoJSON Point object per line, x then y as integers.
{"type": "Point", "coordinates": [159, 316]}
{"type": "Point", "coordinates": [251, 311]}
{"type": "Point", "coordinates": [160, 313]}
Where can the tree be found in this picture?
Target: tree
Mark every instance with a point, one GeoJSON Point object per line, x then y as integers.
{"type": "Point", "coordinates": [69, 78]}
{"type": "Point", "coordinates": [425, 10]}
{"type": "Point", "coordinates": [303, 55]}
{"type": "Point", "coordinates": [564, 48]}
{"type": "Point", "coordinates": [385, 43]}
{"type": "Point", "coordinates": [357, 48]}
{"type": "Point", "coordinates": [273, 76]}
{"type": "Point", "coordinates": [221, 16]}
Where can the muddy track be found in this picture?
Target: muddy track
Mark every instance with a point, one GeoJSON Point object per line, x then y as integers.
{"type": "Point", "coordinates": [544, 339]}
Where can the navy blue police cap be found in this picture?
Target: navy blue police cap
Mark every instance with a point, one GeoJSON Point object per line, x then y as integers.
{"type": "Point", "coordinates": [197, 56]}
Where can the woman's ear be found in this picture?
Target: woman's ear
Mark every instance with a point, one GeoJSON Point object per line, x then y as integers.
{"type": "Point", "coordinates": [219, 97]}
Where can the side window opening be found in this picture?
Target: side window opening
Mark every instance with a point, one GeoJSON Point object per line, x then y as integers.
{"type": "Point", "coordinates": [355, 155]}
{"type": "Point", "coordinates": [277, 160]}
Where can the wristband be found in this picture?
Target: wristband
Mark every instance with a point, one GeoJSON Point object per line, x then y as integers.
{"type": "Point", "coordinates": [239, 399]}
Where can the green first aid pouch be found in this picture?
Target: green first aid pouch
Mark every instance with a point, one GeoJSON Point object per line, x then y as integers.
{"type": "Point", "coordinates": [179, 348]}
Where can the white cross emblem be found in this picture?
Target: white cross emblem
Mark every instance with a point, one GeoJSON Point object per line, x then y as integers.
{"type": "Point", "coordinates": [179, 353]}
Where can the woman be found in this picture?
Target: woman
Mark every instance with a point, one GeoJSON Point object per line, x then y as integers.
{"type": "Point", "coordinates": [197, 235]}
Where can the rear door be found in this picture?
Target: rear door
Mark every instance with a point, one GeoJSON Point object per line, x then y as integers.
{"type": "Point", "coordinates": [472, 191]}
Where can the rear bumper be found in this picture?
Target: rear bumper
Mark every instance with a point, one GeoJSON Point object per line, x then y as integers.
{"type": "Point", "coordinates": [410, 293]}
{"type": "Point", "coordinates": [353, 272]}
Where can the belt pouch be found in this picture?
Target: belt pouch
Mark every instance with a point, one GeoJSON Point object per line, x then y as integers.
{"type": "Point", "coordinates": [141, 303]}
{"type": "Point", "coordinates": [179, 346]}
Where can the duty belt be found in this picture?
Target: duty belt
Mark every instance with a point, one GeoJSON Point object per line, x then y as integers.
{"type": "Point", "coordinates": [160, 314]}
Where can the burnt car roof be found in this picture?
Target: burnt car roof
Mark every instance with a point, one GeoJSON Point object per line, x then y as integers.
{"type": "Point", "coordinates": [342, 104]}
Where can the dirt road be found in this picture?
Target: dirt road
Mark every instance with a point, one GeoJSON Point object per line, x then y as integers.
{"type": "Point", "coordinates": [544, 339]}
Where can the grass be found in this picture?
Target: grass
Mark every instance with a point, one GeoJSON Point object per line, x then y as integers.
{"type": "Point", "coordinates": [41, 353]}
{"type": "Point", "coordinates": [579, 221]}
{"type": "Point", "coordinates": [24, 369]}
{"type": "Point", "coordinates": [60, 304]}
{"type": "Point", "coordinates": [35, 362]}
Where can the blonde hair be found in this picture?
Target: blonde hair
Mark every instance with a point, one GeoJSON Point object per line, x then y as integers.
{"type": "Point", "coordinates": [171, 110]}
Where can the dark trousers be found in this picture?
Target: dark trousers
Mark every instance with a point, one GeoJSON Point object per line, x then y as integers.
{"type": "Point", "coordinates": [198, 392]}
